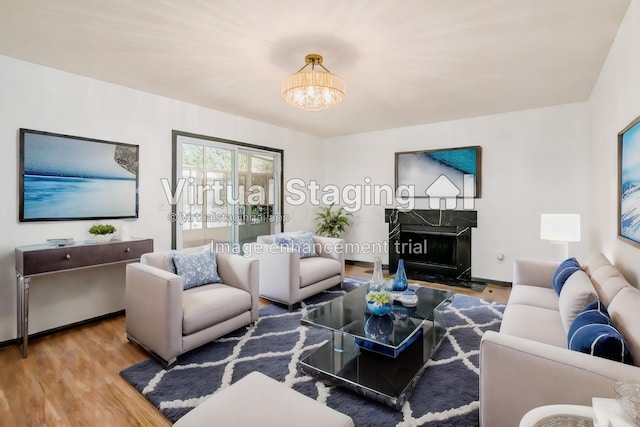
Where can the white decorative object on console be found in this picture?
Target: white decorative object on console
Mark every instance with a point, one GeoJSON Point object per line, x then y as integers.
{"type": "Point", "coordinates": [125, 232]}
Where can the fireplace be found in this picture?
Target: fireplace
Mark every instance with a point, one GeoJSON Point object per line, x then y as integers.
{"type": "Point", "coordinates": [433, 243]}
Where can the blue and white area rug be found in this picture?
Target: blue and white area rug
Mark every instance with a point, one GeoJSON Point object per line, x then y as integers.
{"type": "Point", "coordinates": [446, 394]}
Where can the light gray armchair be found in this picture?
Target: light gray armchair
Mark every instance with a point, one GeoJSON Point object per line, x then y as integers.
{"type": "Point", "coordinates": [288, 279]}
{"type": "Point", "coordinates": [167, 320]}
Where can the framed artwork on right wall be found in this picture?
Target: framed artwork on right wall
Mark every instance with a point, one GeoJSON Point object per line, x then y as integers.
{"type": "Point", "coordinates": [629, 183]}
{"type": "Point", "coordinates": [458, 168]}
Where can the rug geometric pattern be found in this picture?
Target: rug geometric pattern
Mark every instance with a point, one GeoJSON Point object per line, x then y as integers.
{"type": "Point", "coordinates": [446, 394]}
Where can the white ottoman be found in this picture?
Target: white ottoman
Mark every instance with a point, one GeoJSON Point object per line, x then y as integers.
{"type": "Point", "coordinates": [258, 400]}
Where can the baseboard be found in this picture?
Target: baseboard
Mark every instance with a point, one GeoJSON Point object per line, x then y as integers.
{"type": "Point", "coordinates": [41, 334]}
{"type": "Point", "coordinates": [361, 263]}
{"type": "Point", "coordinates": [494, 282]}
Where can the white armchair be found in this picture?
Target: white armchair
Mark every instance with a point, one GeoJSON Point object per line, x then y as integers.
{"type": "Point", "coordinates": [168, 320]}
{"type": "Point", "coordinates": [288, 279]}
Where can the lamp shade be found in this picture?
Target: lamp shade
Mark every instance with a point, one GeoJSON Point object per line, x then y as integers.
{"type": "Point", "coordinates": [560, 227]}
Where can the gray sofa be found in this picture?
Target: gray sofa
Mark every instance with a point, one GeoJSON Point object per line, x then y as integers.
{"type": "Point", "coordinates": [527, 364]}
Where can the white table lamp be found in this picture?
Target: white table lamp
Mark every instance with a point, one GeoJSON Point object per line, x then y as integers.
{"type": "Point", "coordinates": [561, 229]}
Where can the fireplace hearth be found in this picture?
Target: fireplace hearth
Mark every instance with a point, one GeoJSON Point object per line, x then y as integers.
{"type": "Point", "coordinates": [435, 244]}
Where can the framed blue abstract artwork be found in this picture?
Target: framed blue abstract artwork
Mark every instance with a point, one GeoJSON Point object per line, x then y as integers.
{"type": "Point", "coordinates": [64, 178]}
{"type": "Point", "coordinates": [629, 183]}
{"type": "Point", "coordinates": [448, 172]}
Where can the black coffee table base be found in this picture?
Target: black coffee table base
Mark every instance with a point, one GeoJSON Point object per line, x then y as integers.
{"type": "Point", "coordinates": [378, 377]}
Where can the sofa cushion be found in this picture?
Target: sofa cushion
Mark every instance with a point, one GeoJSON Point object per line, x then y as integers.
{"type": "Point", "coordinates": [162, 260]}
{"type": "Point", "coordinates": [565, 269]}
{"type": "Point", "coordinates": [196, 268]}
{"type": "Point", "coordinates": [576, 294]}
{"type": "Point", "coordinates": [301, 242]}
{"type": "Point", "coordinates": [534, 323]}
{"type": "Point", "coordinates": [625, 315]}
{"type": "Point", "coordinates": [593, 333]}
{"type": "Point", "coordinates": [208, 305]}
{"type": "Point", "coordinates": [534, 295]}
{"type": "Point", "coordinates": [315, 269]}
{"type": "Point", "coordinates": [594, 262]}
{"type": "Point", "coordinates": [608, 282]}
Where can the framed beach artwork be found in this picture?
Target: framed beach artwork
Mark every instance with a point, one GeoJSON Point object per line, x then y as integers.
{"type": "Point", "coordinates": [63, 178]}
{"type": "Point", "coordinates": [629, 183]}
{"type": "Point", "coordinates": [451, 172]}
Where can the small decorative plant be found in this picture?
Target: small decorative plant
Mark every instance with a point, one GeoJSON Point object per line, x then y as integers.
{"type": "Point", "coordinates": [332, 223]}
{"type": "Point", "coordinates": [379, 302]}
{"type": "Point", "coordinates": [102, 229]}
{"type": "Point", "coordinates": [379, 297]}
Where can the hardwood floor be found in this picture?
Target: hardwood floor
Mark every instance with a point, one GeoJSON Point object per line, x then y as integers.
{"type": "Point", "coordinates": [72, 378]}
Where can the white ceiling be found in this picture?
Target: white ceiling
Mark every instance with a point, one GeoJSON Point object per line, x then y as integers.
{"type": "Point", "coordinates": [406, 62]}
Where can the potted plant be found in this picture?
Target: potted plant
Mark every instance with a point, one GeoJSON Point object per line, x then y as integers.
{"type": "Point", "coordinates": [102, 232]}
{"type": "Point", "coordinates": [332, 223]}
{"type": "Point", "coordinates": [379, 302]}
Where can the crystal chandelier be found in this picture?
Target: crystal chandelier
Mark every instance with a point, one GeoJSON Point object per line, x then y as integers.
{"type": "Point", "coordinates": [313, 90]}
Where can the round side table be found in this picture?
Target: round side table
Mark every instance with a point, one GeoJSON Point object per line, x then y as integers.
{"type": "Point", "coordinates": [558, 416]}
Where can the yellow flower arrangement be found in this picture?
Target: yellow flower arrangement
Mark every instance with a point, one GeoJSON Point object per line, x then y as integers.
{"type": "Point", "coordinates": [379, 297]}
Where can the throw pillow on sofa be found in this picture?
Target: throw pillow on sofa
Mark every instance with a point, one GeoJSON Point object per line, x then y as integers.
{"type": "Point", "coordinates": [301, 242]}
{"type": "Point", "coordinates": [593, 333]}
{"type": "Point", "coordinates": [576, 294]}
{"type": "Point", "coordinates": [197, 268]}
{"type": "Point", "coordinates": [565, 269]}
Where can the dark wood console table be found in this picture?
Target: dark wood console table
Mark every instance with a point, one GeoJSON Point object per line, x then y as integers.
{"type": "Point", "coordinates": [35, 260]}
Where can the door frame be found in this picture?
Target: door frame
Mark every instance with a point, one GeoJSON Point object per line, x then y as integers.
{"type": "Point", "coordinates": [175, 134]}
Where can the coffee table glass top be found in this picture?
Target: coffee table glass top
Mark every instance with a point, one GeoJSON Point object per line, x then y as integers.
{"type": "Point", "coordinates": [394, 331]}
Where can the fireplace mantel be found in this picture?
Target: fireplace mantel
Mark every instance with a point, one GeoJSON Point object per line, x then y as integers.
{"type": "Point", "coordinates": [430, 217]}
{"type": "Point", "coordinates": [452, 224]}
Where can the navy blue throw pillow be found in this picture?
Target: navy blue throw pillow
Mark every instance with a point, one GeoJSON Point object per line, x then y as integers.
{"type": "Point", "coordinates": [592, 314]}
{"type": "Point", "coordinates": [593, 333]}
{"type": "Point", "coordinates": [565, 269]}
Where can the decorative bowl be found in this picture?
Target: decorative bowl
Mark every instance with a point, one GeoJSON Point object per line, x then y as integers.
{"type": "Point", "coordinates": [628, 393]}
{"type": "Point", "coordinates": [379, 309]}
{"type": "Point", "coordinates": [102, 238]}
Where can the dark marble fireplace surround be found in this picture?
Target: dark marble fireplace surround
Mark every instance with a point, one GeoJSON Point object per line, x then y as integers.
{"type": "Point", "coordinates": [433, 243]}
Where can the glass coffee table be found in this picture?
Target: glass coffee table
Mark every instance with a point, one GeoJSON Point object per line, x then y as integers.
{"type": "Point", "coordinates": [380, 357]}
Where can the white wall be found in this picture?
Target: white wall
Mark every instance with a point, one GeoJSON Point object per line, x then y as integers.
{"type": "Point", "coordinates": [42, 98]}
{"type": "Point", "coordinates": [533, 162]}
{"type": "Point", "coordinates": [614, 103]}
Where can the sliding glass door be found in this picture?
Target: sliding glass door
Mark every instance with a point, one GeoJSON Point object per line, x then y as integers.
{"type": "Point", "coordinates": [257, 180]}
{"type": "Point", "coordinates": [224, 191]}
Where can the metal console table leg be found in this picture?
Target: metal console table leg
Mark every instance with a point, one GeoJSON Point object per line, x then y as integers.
{"type": "Point", "coordinates": [23, 312]}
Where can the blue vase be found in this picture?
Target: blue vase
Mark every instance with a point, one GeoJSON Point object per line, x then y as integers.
{"type": "Point", "coordinates": [400, 283]}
